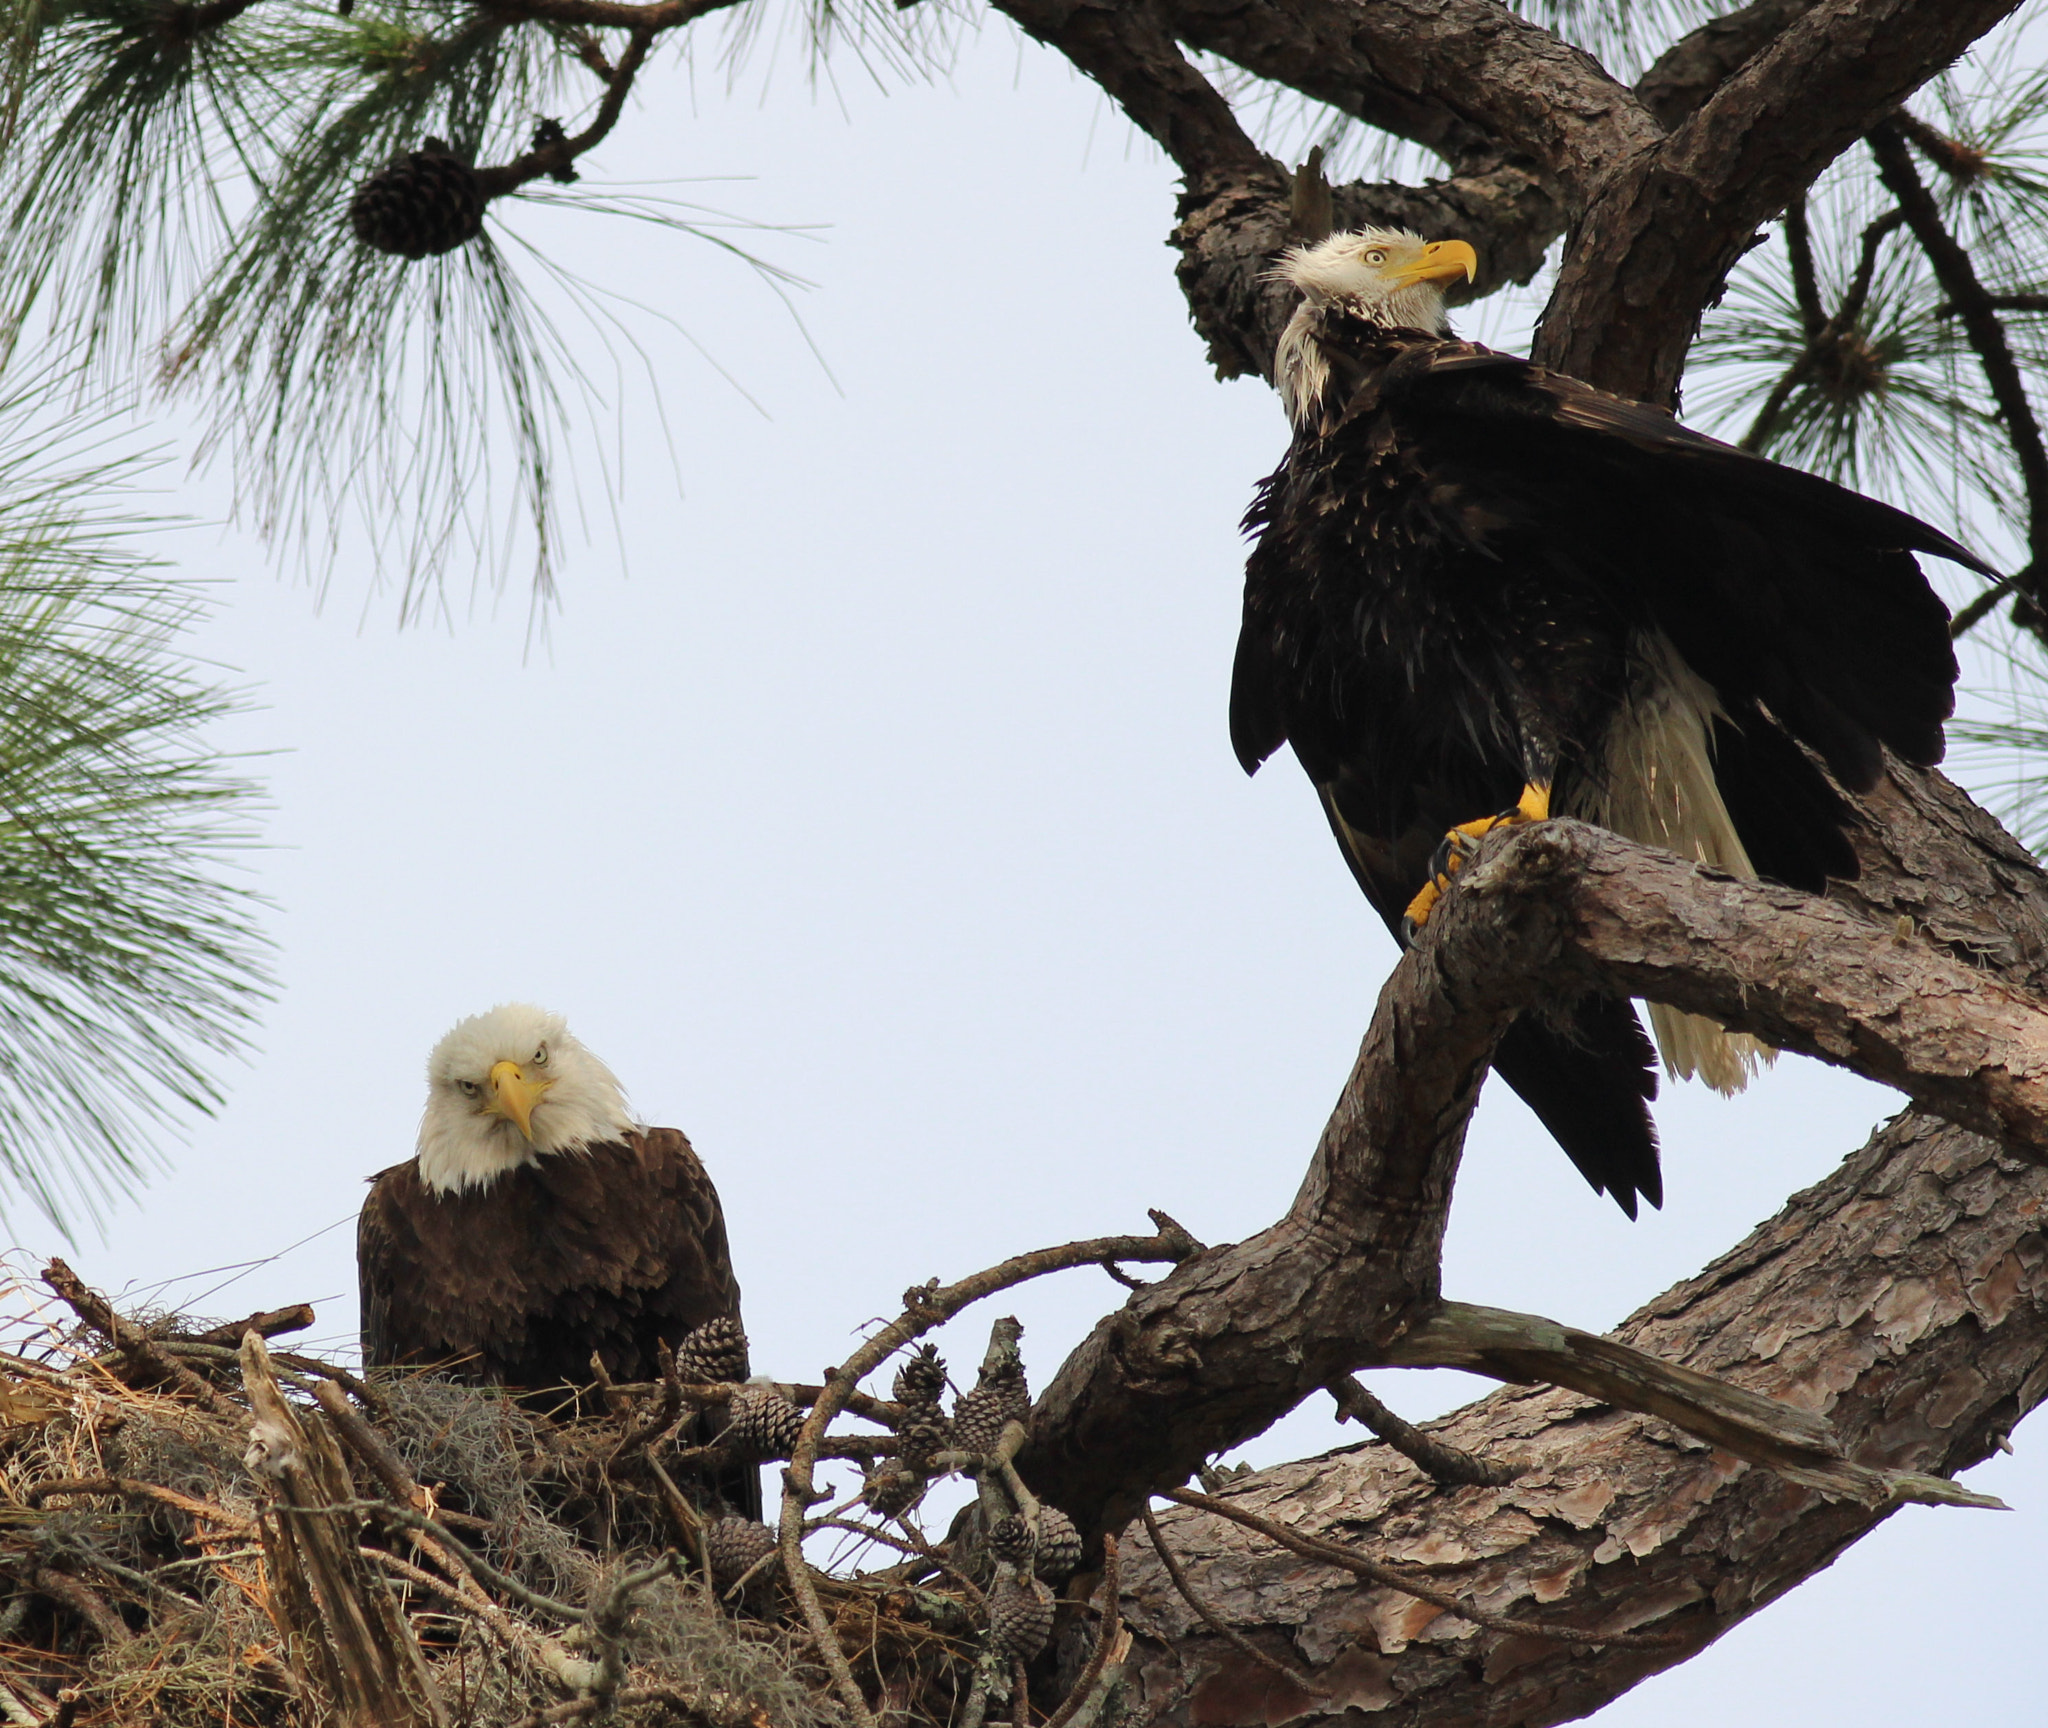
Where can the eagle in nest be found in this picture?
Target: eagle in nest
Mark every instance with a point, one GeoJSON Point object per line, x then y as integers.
{"type": "Point", "coordinates": [539, 1226]}
{"type": "Point", "coordinates": [1481, 592]}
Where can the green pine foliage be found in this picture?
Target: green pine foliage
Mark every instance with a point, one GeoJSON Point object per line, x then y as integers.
{"type": "Point", "coordinates": [175, 180]}
{"type": "Point", "coordinates": [129, 963]}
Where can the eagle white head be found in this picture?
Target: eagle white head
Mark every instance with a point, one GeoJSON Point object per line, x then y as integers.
{"type": "Point", "coordinates": [1385, 274]}
{"type": "Point", "coordinates": [509, 1086]}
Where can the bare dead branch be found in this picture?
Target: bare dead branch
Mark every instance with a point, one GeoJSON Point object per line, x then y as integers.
{"type": "Point", "coordinates": [1106, 1638]}
{"type": "Point", "coordinates": [1389, 1577]}
{"type": "Point", "coordinates": [138, 1351]}
{"type": "Point", "coordinates": [1214, 1621]}
{"type": "Point", "coordinates": [1441, 1463]}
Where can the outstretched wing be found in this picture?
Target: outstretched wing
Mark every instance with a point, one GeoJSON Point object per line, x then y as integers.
{"type": "Point", "coordinates": [1778, 587]}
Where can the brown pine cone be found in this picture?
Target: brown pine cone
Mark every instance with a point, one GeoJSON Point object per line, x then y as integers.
{"type": "Point", "coordinates": [762, 1423]}
{"type": "Point", "coordinates": [890, 1488]}
{"type": "Point", "coordinates": [734, 1547]}
{"type": "Point", "coordinates": [1059, 1546]}
{"type": "Point", "coordinates": [1011, 1540]}
{"type": "Point", "coordinates": [424, 202]}
{"type": "Point", "coordinates": [922, 1379]}
{"type": "Point", "coordinates": [1000, 1398]}
{"type": "Point", "coordinates": [922, 1434]}
{"type": "Point", "coordinates": [1019, 1616]}
{"type": "Point", "coordinates": [716, 1352]}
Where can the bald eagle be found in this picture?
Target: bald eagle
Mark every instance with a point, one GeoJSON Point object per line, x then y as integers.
{"type": "Point", "coordinates": [538, 1225]}
{"type": "Point", "coordinates": [1481, 591]}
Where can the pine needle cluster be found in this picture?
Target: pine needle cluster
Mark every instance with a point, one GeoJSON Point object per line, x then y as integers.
{"type": "Point", "coordinates": [128, 962]}
{"type": "Point", "coordinates": [175, 182]}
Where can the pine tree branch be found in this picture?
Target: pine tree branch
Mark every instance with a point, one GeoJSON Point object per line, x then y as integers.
{"type": "Point", "coordinates": [553, 155]}
{"type": "Point", "coordinates": [1695, 66]}
{"type": "Point", "coordinates": [1841, 325]}
{"type": "Point", "coordinates": [1235, 1337]}
{"type": "Point", "coordinates": [1467, 78]}
{"type": "Point", "coordinates": [1668, 224]}
{"type": "Point", "coordinates": [1805, 281]}
{"type": "Point", "coordinates": [1987, 338]}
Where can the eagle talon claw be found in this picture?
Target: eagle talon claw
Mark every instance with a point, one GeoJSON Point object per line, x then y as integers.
{"type": "Point", "coordinates": [1460, 844]}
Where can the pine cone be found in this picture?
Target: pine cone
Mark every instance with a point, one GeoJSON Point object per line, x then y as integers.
{"type": "Point", "coordinates": [890, 1488]}
{"type": "Point", "coordinates": [1011, 1540]}
{"type": "Point", "coordinates": [417, 205]}
{"type": "Point", "coordinates": [716, 1352]}
{"type": "Point", "coordinates": [762, 1423]}
{"type": "Point", "coordinates": [922, 1379]}
{"type": "Point", "coordinates": [734, 1546]}
{"type": "Point", "coordinates": [1000, 1398]}
{"type": "Point", "coordinates": [1059, 1546]}
{"type": "Point", "coordinates": [921, 1435]}
{"type": "Point", "coordinates": [1019, 1616]}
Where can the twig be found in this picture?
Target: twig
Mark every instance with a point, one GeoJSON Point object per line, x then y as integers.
{"type": "Point", "coordinates": [1958, 279]}
{"type": "Point", "coordinates": [479, 1568]}
{"type": "Point", "coordinates": [84, 1601]}
{"type": "Point", "coordinates": [1105, 1636]}
{"type": "Point", "coordinates": [1805, 280]}
{"type": "Point", "coordinates": [615, 1401]}
{"type": "Point", "coordinates": [130, 1489]}
{"type": "Point", "coordinates": [1830, 333]}
{"type": "Point", "coordinates": [1020, 1694]}
{"type": "Point", "coordinates": [651, 1423]}
{"type": "Point", "coordinates": [135, 1345]}
{"type": "Point", "coordinates": [268, 1322]}
{"type": "Point", "coordinates": [925, 1307]}
{"type": "Point", "coordinates": [1314, 1548]}
{"type": "Point", "coordinates": [1433, 1457]}
{"type": "Point", "coordinates": [370, 1446]}
{"type": "Point", "coordinates": [552, 154]}
{"type": "Point", "coordinates": [685, 1517]}
{"type": "Point", "coordinates": [1972, 614]}
{"type": "Point", "coordinates": [1228, 1633]}
{"type": "Point", "coordinates": [922, 1550]}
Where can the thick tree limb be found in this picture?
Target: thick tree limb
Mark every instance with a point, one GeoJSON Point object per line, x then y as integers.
{"type": "Point", "coordinates": [1695, 66]}
{"type": "Point", "coordinates": [1236, 1336]}
{"type": "Point", "coordinates": [1923, 1339]}
{"type": "Point", "coordinates": [1467, 78]}
{"type": "Point", "coordinates": [1668, 224]}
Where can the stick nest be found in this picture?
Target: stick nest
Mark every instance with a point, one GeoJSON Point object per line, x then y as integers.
{"type": "Point", "coordinates": [196, 1529]}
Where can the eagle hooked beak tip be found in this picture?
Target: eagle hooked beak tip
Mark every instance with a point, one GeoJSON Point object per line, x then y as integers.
{"type": "Point", "coordinates": [1442, 261]}
{"type": "Point", "coordinates": [514, 1096]}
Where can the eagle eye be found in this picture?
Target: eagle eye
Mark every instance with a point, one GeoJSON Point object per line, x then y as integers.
{"type": "Point", "coordinates": [1374, 255]}
{"type": "Point", "coordinates": [540, 1057]}
{"type": "Point", "coordinates": [470, 1089]}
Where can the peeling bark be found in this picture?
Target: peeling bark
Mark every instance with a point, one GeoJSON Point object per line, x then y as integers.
{"type": "Point", "coordinates": [1906, 1298]}
{"type": "Point", "coordinates": [1897, 1312]}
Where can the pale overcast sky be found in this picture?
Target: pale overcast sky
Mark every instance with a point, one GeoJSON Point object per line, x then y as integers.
{"type": "Point", "coordinates": [874, 817]}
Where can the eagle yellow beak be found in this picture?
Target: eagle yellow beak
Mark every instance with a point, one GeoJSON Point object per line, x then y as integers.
{"type": "Point", "coordinates": [1441, 261]}
{"type": "Point", "coordinates": [514, 1095]}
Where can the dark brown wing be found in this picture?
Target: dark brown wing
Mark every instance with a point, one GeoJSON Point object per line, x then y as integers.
{"type": "Point", "coordinates": [1778, 587]}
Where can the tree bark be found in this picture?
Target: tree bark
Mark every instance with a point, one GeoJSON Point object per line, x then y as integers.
{"type": "Point", "coordinates": [1906, 1297]}
{"type": "Point", "coordinates": [1891, 1325]}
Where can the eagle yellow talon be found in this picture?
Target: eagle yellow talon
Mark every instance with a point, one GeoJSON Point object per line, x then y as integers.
{"type": "Point", "coordinates": [1460, 843]}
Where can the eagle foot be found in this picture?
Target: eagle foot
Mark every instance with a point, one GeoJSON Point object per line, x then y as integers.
{"type": "Point", "coordinates": [1460, 844]}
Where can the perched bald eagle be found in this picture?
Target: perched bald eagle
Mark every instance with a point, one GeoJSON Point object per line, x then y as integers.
{"type": "Point", "coordinates": [1481, 591]}
{"type": "Point", "coordinates": [538, 1225]}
